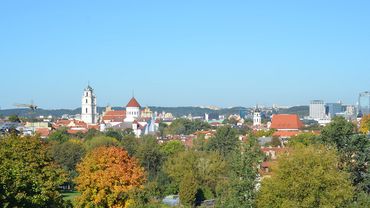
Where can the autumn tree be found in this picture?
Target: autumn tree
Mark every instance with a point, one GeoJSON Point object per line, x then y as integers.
{"type": "Point", "coordinates": [306, 177]}
{"type": "Point", "coordinates": [365, 124]}
{"type": "Point", "coordinates": [29, 177]}
{"type": "Point", "coordinates": [106, 176]}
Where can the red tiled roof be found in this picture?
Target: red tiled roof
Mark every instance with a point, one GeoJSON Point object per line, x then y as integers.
{"type": "Point", "coordinates": [117, 115]}
{"type": "Point", "coordinates": [44, 132]}
{"type": "Point", "coordinates": [75, 131]}
{"type": "Point", "coordinates": [286, 133]}
{"type": "Point", "coordinates": [133, 103]}
{"type": "Point", "coordinates": [286, 121]}
{"type": "Point", "coordinates": [266, 164]}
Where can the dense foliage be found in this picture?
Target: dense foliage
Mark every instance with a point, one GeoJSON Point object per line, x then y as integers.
{"type": "Point", "coordinates": [307, 177]}
{"type": "Point", "coordinates": [29, 177]}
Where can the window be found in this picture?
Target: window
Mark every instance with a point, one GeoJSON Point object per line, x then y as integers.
{"type": "Point", "coordinates": [87, 94]}
{"type": "Point", "coordinates": [86, 100]}
{"type": "Point", "coordinates": [86, 110]}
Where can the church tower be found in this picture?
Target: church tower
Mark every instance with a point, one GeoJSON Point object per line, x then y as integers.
{"type": "Point", "coordinates": [257, 117]}
{"type": "Point", "coordinates": [88, 111]}
{"type": "Point", "coordinates": [132, 110]}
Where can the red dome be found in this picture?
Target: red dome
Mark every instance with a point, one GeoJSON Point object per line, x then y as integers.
{"type": "Point", "coordinates": [133, 103]}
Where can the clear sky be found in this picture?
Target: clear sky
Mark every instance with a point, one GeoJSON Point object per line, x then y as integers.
{"type": "Point", "coordinates": [182, 53]}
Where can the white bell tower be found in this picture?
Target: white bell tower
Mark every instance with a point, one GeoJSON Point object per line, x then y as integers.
{"type": "Point", "coordinates": [88, 107]}
{"type": "Point", "coordinates": [257, 121]}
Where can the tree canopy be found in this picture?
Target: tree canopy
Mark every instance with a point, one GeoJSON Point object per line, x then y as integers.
{"type": "Point", "coordinates": [225, 141]}
{"type": "Point", "coordinates": [307, 177]}
{"type": "Point", "coordinates": [29, 177]}
{"type": "Point", "coordinates": [106, 176]}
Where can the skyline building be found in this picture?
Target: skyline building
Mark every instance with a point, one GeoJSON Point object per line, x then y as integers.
{"type": "Point", "coordinates": [317, 109]}
{"type": "Point", "coordinates": [332, 109]}
{"type": "Point", "coordinates": [364, 103]}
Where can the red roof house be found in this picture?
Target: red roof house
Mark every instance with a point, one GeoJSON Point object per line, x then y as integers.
{"type": "Point", "coordinates": [114, 116]}
{"type": "Point", "coordinates": [287, 122]}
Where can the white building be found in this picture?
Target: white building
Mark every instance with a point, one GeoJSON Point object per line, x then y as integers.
{"type": "Point", "coordinates": [132, 110]}
{"type": "Point", "coordinates": [257, 120]}
{"type": "Point", "coordinates": [88, 107]}
{"type": "Point", "coordinates": [317, 110]}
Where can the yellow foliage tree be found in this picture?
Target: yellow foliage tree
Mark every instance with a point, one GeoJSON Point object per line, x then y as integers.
{"type": "Point", "coordinates": [365, 124]}
{"type": "Point", "coordinates": [106, 175]}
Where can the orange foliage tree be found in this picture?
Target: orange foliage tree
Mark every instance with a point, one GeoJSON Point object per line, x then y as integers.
{"type": "Point", "coordinates": [106, 175]}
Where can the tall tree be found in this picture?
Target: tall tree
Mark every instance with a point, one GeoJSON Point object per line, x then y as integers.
{"type": "Point", "coordinates": [240, 188]}
{"type": "Point", "coordinates": [207, 167]}
{"type": "Point", "coordinates": [188, 190]}
{"type": "Point", "coordinates": [225, 141]}
{"type": "Point", "coordinates": [106, 176]}
{"type": "Point", "coordinates": [354, 150]}
{"type": "Point", "coordinates": [150, 156]}
{"type": "Point", "coordinates": [29, 177]}
{"type": "Point", "coordinates": [306, 177]}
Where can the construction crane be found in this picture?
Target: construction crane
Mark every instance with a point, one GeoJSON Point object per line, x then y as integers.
{"type": "Point", "coordinates": [30, 106]}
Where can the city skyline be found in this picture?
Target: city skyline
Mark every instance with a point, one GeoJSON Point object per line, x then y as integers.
{"type": "Point", "coordinates": [184, 54]}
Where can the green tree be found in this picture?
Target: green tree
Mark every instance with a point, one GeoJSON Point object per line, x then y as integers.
{"type": "Point", "coordinates": [150, 156]}
{"type": "Point", "coordinates": [67, 155]}
{"type": "Point", "coordinates": [225, 141]}
{"type": "Point", "coordinates": [207, 167]}
{"type": "Point", "coordinates": [354, 150]}
{"type": "Point", "coordinates": [188, 190]}
{"type": "Point", "coordinates": [14, 118]}
{"type": "Point", "coordinates": [117, 134]}
{"type": "Point", "coordinates": [338, 132]}
{"type": "Point", "coordinates": [131, 143]}
{"type": "Point", "coordinates": [101, 141]}
{"type": "Point", "coordinates": [306, 177]}
{"type": "Point", "coordinates": [303, 139]}
{"type": "Point", "coordinates": [185, 126]}
{"type": "Point", "coordinates": [240, 187]}
{"type": "Point", "coordinates": [172, 147]}
{"type": "Point", "coordinates": [200, 143]}
{"type": "Point", "coordinates": [362, 199]}
{"type": "Point", "coordinates": [29, 177]}
{"type": "Point", "coordinates": [59, 135]}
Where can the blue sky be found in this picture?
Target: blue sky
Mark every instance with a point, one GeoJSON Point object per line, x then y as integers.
{"type": "Point", "coordinates": [182, 53]}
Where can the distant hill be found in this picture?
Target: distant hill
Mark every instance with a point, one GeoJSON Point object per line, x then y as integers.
{"type": "Point", "coordinates": [302, 111]}
{"type": "Point", "coordinates": [176, 111]}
